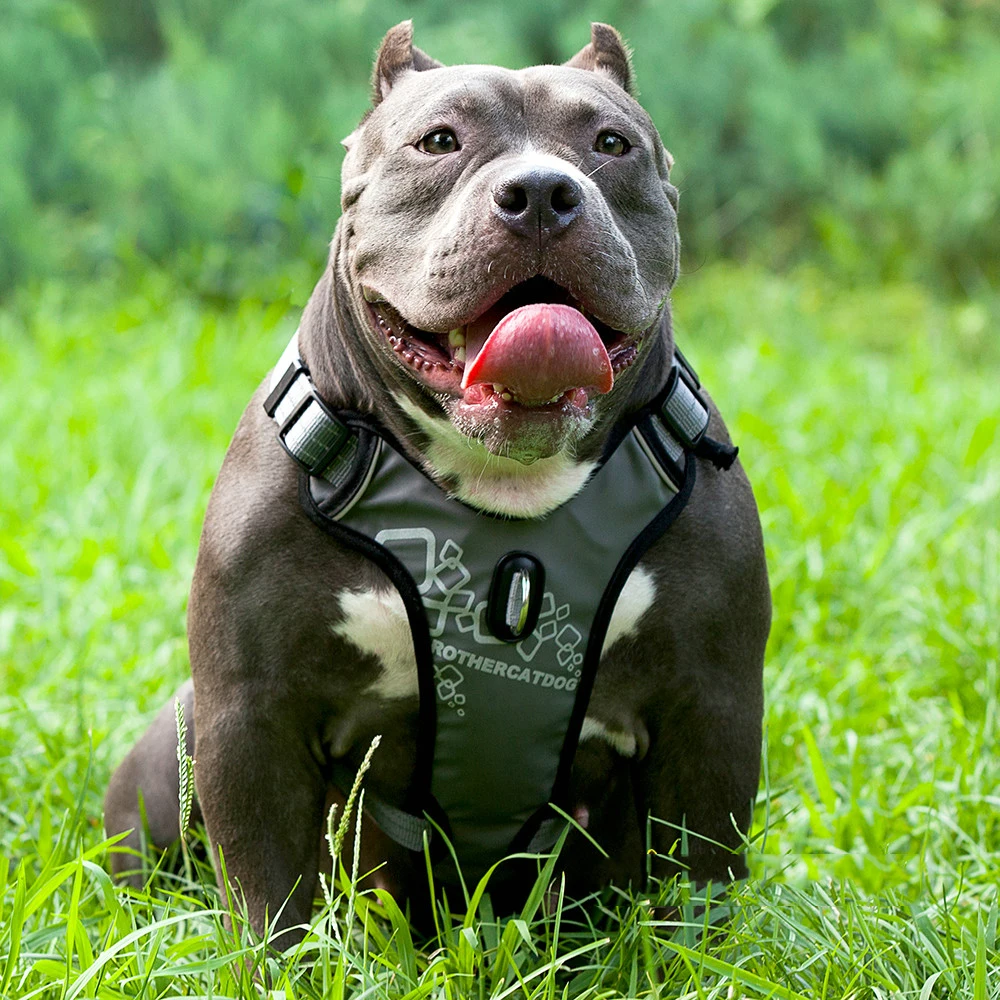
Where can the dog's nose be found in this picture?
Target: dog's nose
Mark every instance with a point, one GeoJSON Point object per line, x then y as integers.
{"type": "Point", "coordinates": [540, 201]}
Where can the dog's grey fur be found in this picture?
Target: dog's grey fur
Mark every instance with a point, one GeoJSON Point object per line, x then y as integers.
{"type": "Point", "coordinates": [278, 693]}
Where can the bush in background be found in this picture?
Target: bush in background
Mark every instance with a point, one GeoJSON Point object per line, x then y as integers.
{"type": "Point", "coordinates": [203, 135]}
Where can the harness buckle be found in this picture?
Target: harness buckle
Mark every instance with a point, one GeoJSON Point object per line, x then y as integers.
{"type": "Point", "coordinates": [311, 433]}
{"type": "Point", "coordinates": [684, 408]}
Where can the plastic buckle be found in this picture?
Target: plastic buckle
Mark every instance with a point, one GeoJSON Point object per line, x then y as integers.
{"type": "Point", "coordinates": [341, 431]}
{"type": "Point", "coordinates": [682, 420]}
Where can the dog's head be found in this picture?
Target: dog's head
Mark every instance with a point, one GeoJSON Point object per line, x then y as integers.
{"type": "Point", "coordinates": [509, 242]}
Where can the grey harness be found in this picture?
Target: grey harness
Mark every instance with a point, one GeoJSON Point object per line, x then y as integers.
{"type": "Point", "coordinates": [508, 616]}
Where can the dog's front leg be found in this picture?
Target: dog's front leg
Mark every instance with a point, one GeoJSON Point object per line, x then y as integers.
{"type": "Point", "coordinates": [699, 780]}
{"type": "Point", "coordinates": [262, 792]}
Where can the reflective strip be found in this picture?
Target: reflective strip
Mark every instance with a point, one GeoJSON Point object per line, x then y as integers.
{"type": "Point", "coordinates": [294, 395]}
{"type": "Point", "coordinates": [670, 445]}
{"type": "Point", "coordinates": [288, 355]}
{"type": "Point", "coordinates": [341, 468]}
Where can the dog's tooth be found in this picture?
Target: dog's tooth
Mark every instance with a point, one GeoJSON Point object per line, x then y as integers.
{"type": "Point", "coordinates": [506, 397]}
{"type": "Point", "coordinates": [498, 388]}
{"type": "Point", "coordinates": [457, 337]}
{"type": "Point", "coordinates": [370, 294]}
{"type": "Point", "coordinates": [459, 354]}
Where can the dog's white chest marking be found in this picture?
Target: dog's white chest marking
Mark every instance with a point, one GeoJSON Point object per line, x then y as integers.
{"type": "Point", "coordinates": [492, 483]}
{"type": "Point", "coordinates": [375, 622]}
{"type": "Point", "coordinates": [634, 601]}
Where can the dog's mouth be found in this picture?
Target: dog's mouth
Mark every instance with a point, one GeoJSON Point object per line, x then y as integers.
{"type": "Point", "coordinates": [537, 347]}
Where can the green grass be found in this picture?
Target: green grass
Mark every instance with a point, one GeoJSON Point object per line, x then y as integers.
{"type": "Point", "coordinates": [867, 420]}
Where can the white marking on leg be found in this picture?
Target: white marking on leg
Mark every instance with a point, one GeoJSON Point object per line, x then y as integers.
{"type": "Point", "coordinates": [622, 742]}
{"type": "Point", "coordinates": [634, 601]}
{"type": "Point", "coordinates": [375, 622]}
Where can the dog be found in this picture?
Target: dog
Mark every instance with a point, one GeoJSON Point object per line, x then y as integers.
{"type": "Point", "coordinates": [492, 338]}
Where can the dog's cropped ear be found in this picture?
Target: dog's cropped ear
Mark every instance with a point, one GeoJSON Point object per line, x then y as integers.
{"type": "Point", "coordinates": [397, 55]}
{"type": "Point", "coordinates": [607, 54]}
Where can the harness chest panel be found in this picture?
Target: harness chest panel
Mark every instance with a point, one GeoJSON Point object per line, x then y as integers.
{"type": "Point", "coordinates": [499, 721]}
{"type": "Point", "coordinates": [504, 709]}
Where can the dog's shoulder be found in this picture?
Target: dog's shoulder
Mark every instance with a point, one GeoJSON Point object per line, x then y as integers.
{"type": "Point", "coordinates": [255, 496]}
{"type": "Point", "coordinates": [710, 567]}
{"type": "Point", "coordinates": [258, 541]}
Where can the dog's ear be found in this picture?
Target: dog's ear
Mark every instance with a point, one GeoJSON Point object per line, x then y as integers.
{"type": "Point", "coordinates": [607, 54]}
{"type": "Point", "coordinates": [673, 195]}
{"type": "Point", "coordinates": [397, 55]}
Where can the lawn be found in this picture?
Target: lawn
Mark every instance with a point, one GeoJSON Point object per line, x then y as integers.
{"type": "Point", "coordinates": [867, 420]}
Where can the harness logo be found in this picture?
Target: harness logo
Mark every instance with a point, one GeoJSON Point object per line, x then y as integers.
{"type": "Point", "coordinates": [446, 589]}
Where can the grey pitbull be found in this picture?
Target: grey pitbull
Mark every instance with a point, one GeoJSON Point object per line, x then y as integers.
{"type": "Point", "coordinates": [497, 299]}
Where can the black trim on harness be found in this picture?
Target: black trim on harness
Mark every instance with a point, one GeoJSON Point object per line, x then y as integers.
{"type": "Point", "coordinates": [595, 645]}
{"type": "Point", "coordinates": [419, 799]}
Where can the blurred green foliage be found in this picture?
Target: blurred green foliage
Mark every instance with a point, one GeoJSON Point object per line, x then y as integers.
{"type": "Point", "coordinates": [203, 135]}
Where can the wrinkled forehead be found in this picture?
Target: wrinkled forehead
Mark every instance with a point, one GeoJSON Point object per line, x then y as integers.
{"type": "Point", "coordinates": [540, 99]}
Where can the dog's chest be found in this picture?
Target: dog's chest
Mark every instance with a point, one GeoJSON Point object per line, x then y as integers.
{"type": "Point", "coordinates": [375, 623]}
{"type": "Point", "coordinates": [503, 661]}
{"type": "Point", "coordinates": [502, 692]}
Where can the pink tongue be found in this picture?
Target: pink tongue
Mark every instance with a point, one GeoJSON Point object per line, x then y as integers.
{"type": "Point", "coordinates": [538, 351]}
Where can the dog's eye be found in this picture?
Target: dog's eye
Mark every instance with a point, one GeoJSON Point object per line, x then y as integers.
{"type": "Point", "coordinates": [612, 144]}
{"type": "Point", "coordinates": [443, 140]}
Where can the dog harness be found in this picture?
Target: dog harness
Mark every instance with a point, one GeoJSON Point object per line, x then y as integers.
{"type": "Point", "coordinates": [508, 616]}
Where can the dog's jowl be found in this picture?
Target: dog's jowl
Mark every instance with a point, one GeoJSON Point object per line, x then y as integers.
{"type": "Point", "coordinates": [483, 507]}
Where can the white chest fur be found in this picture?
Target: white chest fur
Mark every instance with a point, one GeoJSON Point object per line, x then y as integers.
{"type": "Point", "coordinates": [375, 622]}
{"type": "Point", "coordinates": [493, 483]}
